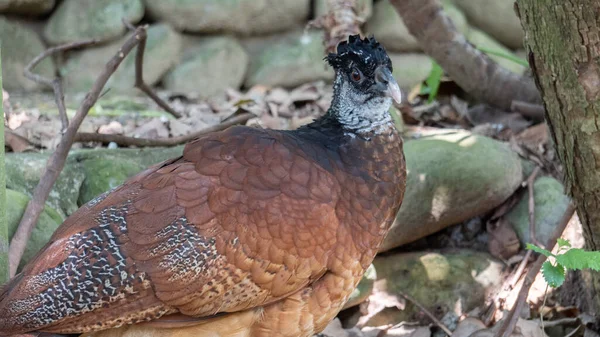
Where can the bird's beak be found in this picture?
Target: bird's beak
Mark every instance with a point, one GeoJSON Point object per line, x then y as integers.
{"type": "Point", "coordinates": [389, 86]}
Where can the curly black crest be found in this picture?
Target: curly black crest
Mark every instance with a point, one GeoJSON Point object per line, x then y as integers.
{"type": "Point", "coordinates": [365, 53]}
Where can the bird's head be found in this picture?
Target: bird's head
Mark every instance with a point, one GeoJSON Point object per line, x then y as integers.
{"type": "Point", "coordinates": [364, 86]}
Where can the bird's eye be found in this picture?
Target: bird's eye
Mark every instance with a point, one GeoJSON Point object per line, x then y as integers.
{"type": "Point", "coordinates": [356, 75]}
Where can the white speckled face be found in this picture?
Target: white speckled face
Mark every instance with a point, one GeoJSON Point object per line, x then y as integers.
{"type": "Point", "coordinates": [364, 86]}
{"type": "Point", "coordinates": [358, 111]}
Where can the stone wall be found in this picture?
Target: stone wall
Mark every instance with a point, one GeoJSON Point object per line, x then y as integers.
{"type": "Point", "coordinates": [202, 47]}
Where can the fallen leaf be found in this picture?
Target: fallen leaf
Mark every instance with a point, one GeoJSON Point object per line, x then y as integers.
{"type": "Point", "coordinates": [16, 142]}
{"type": "Point", "coordinates": [503, 241]}
{"type": "Point", "coordinates": [112, 128]}
{"type": "Point", "coordinates": [154, 128]}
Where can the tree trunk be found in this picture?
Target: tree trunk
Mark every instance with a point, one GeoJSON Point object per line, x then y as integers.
{"type": "Point", "coordinates": [3, 228]}
{"type": "Point", "coordinates": [563, 41]}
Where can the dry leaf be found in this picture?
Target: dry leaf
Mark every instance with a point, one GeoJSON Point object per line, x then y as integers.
{"type": "Point", "coordinates": [16, 142]}
{"type": "Point", "coordinates": [379, 300]}
{"type": "Point", "coordinates": [154, 128]}
{"type": "Point", "coordinates": [112, 128]}
{"type": "Point", "coordinates": [503, 242]}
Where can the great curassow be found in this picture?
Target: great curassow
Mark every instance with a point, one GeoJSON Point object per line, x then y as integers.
{"type": "Point", "coordinates": [251, 232]}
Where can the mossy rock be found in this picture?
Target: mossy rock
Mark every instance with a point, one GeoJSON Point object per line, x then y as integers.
{"type": "Point", "coordinates": [26, 7]}
{"type": "Point", "coordinates": [495, 17]}
{"type": "Point", "coordinates": [242, 17]}
{"type": "Point", "coordinates": [292, 61]}
{"type": "Point", "coordinates": [106, 169]}
{"type": "Point", "coordinates": [162, 52]}
{"type": "Point", "coordinates": [77, 20]}
{"type": "Point", "coordinates": [390, 30]}
{"type": "Point", "coordinates": [481, 39]}
{"type": "Point", "coordinates": [20, 45]}
{"type": "Point", "coordinates": [23, 172]}
{"type": "Point", "coordinates": [220, 63]}
{"type": "Point", "coordinates": [49, 220]}
{"type": "Point", "coordinates": [454, 281]}
{"type": "Point", "coordinates": [452, 177]}
{"type": "Point", "coordinates": [411, 69]}
{"type": "Point", "coordinates": [551, 202]}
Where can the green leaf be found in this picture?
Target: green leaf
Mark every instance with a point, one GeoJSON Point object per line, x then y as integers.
{"type": "Point", "coordinates": [554, 275]}
{"type": "Point", "coordinates": [539, 250]}
{"type": "Point", "coordinates": [433, 81]}
{"type": "Point", "coordinates": [563, 243]}
{"type": "Point", "coordinates": [577, 258]}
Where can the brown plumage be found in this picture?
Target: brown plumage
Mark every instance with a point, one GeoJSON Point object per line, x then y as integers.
{"type": "Point", "coordinates": [250, 232]}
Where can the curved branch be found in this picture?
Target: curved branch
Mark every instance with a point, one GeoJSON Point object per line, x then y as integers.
{"type": "Point", "coordinates": [173, 141]}
{"type": "Point", "coordinates": [471, 69]}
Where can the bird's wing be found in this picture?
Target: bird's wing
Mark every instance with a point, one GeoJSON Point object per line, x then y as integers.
{"type": "Point", "coordinates": [239, 221]}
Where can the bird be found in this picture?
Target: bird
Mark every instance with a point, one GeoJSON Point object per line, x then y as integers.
{"type": "Point", "coordinates": [251, 232]}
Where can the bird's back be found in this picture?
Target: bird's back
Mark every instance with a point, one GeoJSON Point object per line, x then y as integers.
{"type": "Point", "coordinates": [244, 219]}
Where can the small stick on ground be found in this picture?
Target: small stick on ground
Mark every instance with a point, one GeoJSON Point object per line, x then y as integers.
{"type": "Point", "coordinates": [56, 83]}
{"type": "Point", "coordinates": [57, 160]}
{"type": "Point", "coordinates": [535, 112]}
{"type": "Point", "coordinates": [139, 75]}
{"type": "Point", "coordinates": [146, 142]}
{"type": "Point", "coordinates": [428, 313]}
{"type": "Point", "coordinates": [530, 183]}
{"type": "Point", "coordinates": [511, 320]}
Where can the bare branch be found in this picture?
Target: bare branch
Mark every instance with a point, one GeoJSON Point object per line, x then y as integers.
{"type": "Point", "coordinates": [428, 313]}
{"type": "Point", "coordinates": [56, 83]}
{"type": "Point", "coordinates": [338, 23]}
{"type": "Point", "coordinates": [535, 112]}
{"type": "Point", "coordinates": [146, 142]}
{"type": "Point", "coordinates": [511, 320]}
{"type": "Point", "coordinates": [471, 69]}
{"type": "Point", "coordinates": [139, 78]}
{"type": "Point", "coordinates": [531, 203]}
{"type": "Point", "coordinates": [56, 162]}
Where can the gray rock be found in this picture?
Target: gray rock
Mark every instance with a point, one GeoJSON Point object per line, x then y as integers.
{"type": "Point", "coordinates": [49, 220]}
{"type": "Point", "coordinates": [550, 204]}
{"type": "Point", "coordinates": [163, 49]}
{"type": "Point", "coordinates": [289, 62]}
{"type": "Point", "coordinates": [481, 39]}
{"type": "Point", "coordinates": [26, 7]}
{"type": "Point", "coordinates": [495, 17]}
{"type": "Point", "coordinates": [410, 69]}
{"type": "Point", "coordinates": [452, 177]}
{"type": "Point", "coordinates": [389, 29]}
{"type": "Point", "coordinates": [76, 20]}
{"type": "Point", "coordinates": [20, 45]}
{"type": "Point", "coordinates": [209, 66]}
{"type": "Point", "coordinates": [437, 280]}
{"type": "Point", "coordinates": [364, 8]}
{"type": "Point", "coordinates": [244, 17]}
{"type": "Point", "coordinates": [23, 172]}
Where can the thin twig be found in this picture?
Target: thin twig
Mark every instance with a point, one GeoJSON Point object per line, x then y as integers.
{"type": "Point", "coordinates": [530, 183]}
{"type": "Point", "coordinates": [139, 78]}
{"type": "Point", "coordinates": [56, 83]}
{"type": "Point", "coordinates": [511, 320]}
{"type": "Point", "coordinates": [520, 269]}
{"type": "Point", "coordinates": [146, 142]}
{"type": "Point", "coordinates": [56, 162]}
{"type": "Point", "coordinates": [428, 313]}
